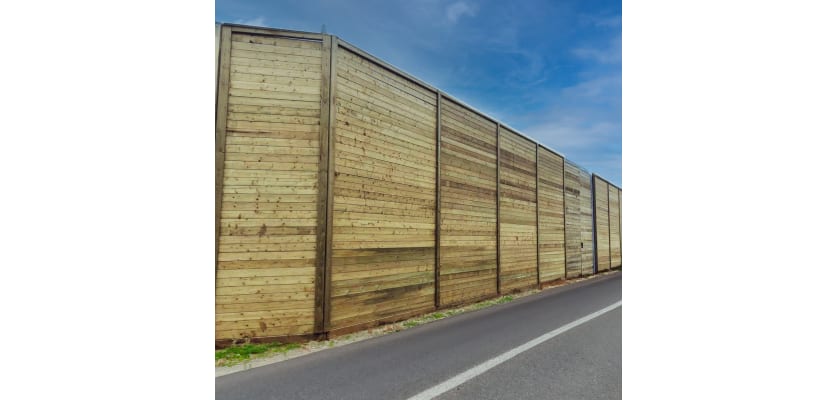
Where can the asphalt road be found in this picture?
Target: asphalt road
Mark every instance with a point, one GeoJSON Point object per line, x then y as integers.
{"type": "Point", "coordinates": [582, 363]}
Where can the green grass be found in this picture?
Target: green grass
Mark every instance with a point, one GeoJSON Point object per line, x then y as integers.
{"type": "Point", "coordinates": [449, 313]}
{"type": "Point", "coordinates": [237, 354]}
{"type": "Point", "coordinates": [501, 300]}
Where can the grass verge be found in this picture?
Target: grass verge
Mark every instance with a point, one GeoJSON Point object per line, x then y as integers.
{"type": "Point", "coordinates": [239, 353]}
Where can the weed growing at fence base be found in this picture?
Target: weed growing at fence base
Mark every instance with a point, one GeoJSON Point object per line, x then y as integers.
{"type": "Point", "coordinates": [239, 353]}
{"type": "Point", "coordinates": [501, 300]}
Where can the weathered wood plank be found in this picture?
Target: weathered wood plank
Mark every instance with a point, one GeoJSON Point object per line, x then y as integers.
{"type": "Point", "coordinates": [464, 182]}
{"type": "Point", "coordinates": [614, 226]}
{"type": "Point", "coordinates": [602, 224]}
{"type": "Point", "coordinates": [270, 197]}
{"type": "Point", "coordinates": [572, 194]}
{"type": "Point", "coordinates": [552, 244]}
{"type": "Point", "coordinates": [587, 247]}
{"type": "Point", "coordinates": [518, 203]}
{"type": "Point", "coordinates": [222, 103]}
{"type": "Point", "coordinates": [384, 219]}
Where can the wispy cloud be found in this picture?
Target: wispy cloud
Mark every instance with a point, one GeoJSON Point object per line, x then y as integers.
{"type": "Point", "coordinates": [584, 122]}
{"type": "Point", "coordinates": [460, 8]}
{"type": "Point", "coordinates": [608, 55]}
{"type": "Point", "coordinates": [597, 89]}
{"type": "Point", "coordinates": [258, 21]}
{"type": "Point", "coordinates": [574, 133]}
{"type": "Point", "coordinates": [600, 21]}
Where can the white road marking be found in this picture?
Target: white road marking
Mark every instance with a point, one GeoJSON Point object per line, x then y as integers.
{"type": "Point", "coordinates": [493, 362]}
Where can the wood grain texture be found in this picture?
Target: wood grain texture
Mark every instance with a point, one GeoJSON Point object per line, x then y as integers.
{"type": "Point", "coordinates": [438, 200]}
{"type": "Point", "coordinates": [518, 216]}
{"type": "Point", "coordinates": [552, 235]}
{"type": "Point", "coordinates": [323, 194]}
{"type": "Point", "coordinates": [498, 208]}
{"type": "Point", "coordinates": [383, 255]}
{"type": "Point", "coordinates": [221, 112]}
{"type": "Point", "coordinates": [468, 206]}
{"type": "Point", "coordinates": [332, 166]}
{"type": "Point", "coordinates": [602, 223]}
{"type": "Point", "coordinates": [588, 249]}
{"type": "Point", "coordinates": [572, 195]}
{"type": "Point", "coordinates": [615, 226]}
{"type": "Point", "coordinates": [271, 200]}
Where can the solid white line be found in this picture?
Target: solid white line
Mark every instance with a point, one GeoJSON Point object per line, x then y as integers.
{"type": "Point", "coordinates": [493, 362]}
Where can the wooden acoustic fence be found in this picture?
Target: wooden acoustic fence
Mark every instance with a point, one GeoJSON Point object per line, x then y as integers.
{"type": "Point", "coordinates": [349, 193]}
{"type": "Point", "coordinates": [607, 224]}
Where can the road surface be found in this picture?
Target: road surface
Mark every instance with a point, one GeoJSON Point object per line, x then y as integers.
{"type": "Point", "coordinates": [518, 350]}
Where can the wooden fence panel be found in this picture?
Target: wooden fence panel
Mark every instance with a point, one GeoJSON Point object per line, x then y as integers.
{"type": "Point", "coordinates": [572, 193]}
{"type": "Point", "coordinates": [615, 227]}
{"type": "Point", "coordinates": [552, 238]}
{"type": "Point", "coordinates": [620, 227]}
{"type": "Point", "coordinates": [383, 256]}
{"type": "Point", "coordinates": [468, 206]}
{"type": "Point", "coordinates": [587, 244]}
{"type": "Point", "coordinates": [518, 213]}
{"type": "Point", "coordinates": [267, 244]}
{"type": "Point", "coordinates": [602, 223]}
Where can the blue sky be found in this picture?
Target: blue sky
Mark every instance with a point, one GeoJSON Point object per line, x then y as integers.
{"type": "Point", "coordinates": [550, 69]}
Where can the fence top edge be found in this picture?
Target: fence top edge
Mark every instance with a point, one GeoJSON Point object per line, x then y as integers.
{"type": "Point", "coordinates": [342, 42]}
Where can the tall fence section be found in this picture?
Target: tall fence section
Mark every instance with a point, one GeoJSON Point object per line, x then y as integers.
{"type": "Point", "coordinates": [349, 194]}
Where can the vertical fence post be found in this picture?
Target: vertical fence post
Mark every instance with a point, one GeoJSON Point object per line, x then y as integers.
{"type": "Point", "coordinates": [438, 200]}
{"type": "Point", "coordinates": [565, 236]}
{"type": "Point", "coordinates": [329, 222]}
{"type": "Point", "coordinates": [217, 58]}
{"type": "Point", "coordinates": [498, 206]}
{"type": "Point", "coordinates": [594, 228]}
{"type": "Point", "coordinates": [221, 106]}
{"type": "Point", "coordinates": [537, 204]}
{"type": "Point", "coordinates": [620, 227]}
{"type": "Point", "coordinates": [322, 187]}
{"type": "Point", "coordinates": [609, 226]}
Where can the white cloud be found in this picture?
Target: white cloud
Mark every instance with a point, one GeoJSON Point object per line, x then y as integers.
{"type": "Point", "coordinates": [609, 55]}
{"type": "Point", "coordinates": [600, 88]}
{"type": "Point", "coordinates": [459, 8]}
{"type": "Point", "coordinates": [572, 132]}
{"type": "Point", "coordinates": [258, 21]}
{"type": "Point", "coordinates": [584, 123]}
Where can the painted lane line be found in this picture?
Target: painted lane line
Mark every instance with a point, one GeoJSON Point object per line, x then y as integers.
{"type": "Point", "coordinates": [493, 362]}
